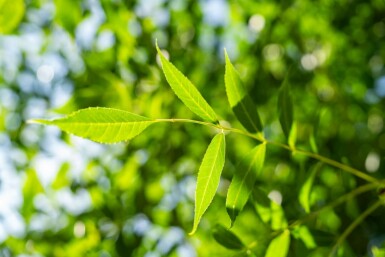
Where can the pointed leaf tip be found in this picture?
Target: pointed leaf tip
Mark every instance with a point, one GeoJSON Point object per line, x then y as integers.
{"type": "Point", "coordinates": [186, 91]}
{"type": "Point", "coordinates": [243, 181]}
{"type": "Point", "coordinates": [103, 125]}
{"type": "Point", "coordinates": [240, 102]}
{"type": "Point", "coordinates": [208, 177]}
{"type": "Point", "coordinates": [35, 121]}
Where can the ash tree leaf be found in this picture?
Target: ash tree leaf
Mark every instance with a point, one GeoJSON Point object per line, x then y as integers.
{"type": "Point", "coordinates": [240, 102]}
{"type": "Point", "coordinates": [208, 177]}
{"type": "Point", "coordinates": [186, 91]}
{"type": "Point", "coordinates": [103, 125]}
{"type": "Point", "coordinates": [279, 246]}
{"type": "Point", "coordinates": [227, 238]}
{"type": "Point", "coordinates": [243, 181]}
{"type": "Point", "coordinates": [285, 108]}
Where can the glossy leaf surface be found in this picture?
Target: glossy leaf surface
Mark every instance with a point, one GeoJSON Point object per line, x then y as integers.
{"type": "Point", "coordinates": [243, 181]}
{"type": "Point", "coordinates": [102, 125]}
{"type": "Point", "coordinates": [242, 105]}
{"type": "Point", "coordinates": [208, 177]}
{"type": "Point", "coordinates": [186, 91]}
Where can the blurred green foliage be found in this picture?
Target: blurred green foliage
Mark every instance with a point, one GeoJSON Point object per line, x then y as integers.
{"type": "Point", "coordinates": [136, 199]}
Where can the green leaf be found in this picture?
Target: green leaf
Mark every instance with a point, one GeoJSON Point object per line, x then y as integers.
{"type": "Point", "coordinates": [303, 233]}
{"type": "Point", "coordinates": [62, 177]}
{"type": "Point", "coordinates": [226, 238]}
{"type": "Point", "coordinates": [68, 22]}
{"type": "Point", "coordinates": [31, 188]}
{"type": "Point", "coordinates": [240, 102]}
{"type": "Point", "coordinates": [186, 91]}
{"type": "Point", "coordinates": [278, 219]}
{"type": "Point", "coordinates": [208, 177]}
{"type": "Point", "coordinates": [32, 185]}
{"type": "Point", "coordinates": [285, 108]}
{"type": "Point", "coordinates": [378, 252]}
{"type": "Point", "coordinates": [323, 238]}
{"type": "Point", "coordinates": [261, 204]}
{"type": "Point", "coordinates": [313, 143]}
{"type": "Point", "coordinates": [279, 246]}
{"type": "Point", "coordinates": [102, 125]}
{"type": "Point", "coordinates": [243, 181]}
{"type": "Point", "coordinates": [11, 14]}
{"type": "Point", "coordinates": [304, 194]}
{"type": "Point", "coordinates": [293, 135]}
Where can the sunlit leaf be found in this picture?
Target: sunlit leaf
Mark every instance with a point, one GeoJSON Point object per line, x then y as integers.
{"type": "Point", "coordinates": [303, 233]}
{"type": "Point", "coordinates": [186, 91]}
{"type": "Point", "coordinates": [63, 7]}
{"type": "Point", "coordinates": [32, 184]}
{"type": "Point", "coordinates": [278, 219]}
{"type": "Point", "coordinates": [243, 181]}
{"type": "Point", "coordinates": [304, 194]}
{"type": "Point", "coordinates": [31, 188]}
{"type": "Point", "coordinates": [293, 135]}
{"type": "Point", "coordinates": [226, 238]}
{"type": "Point", "coordinates": [279, 246]}
{"type": "Point", "coordinates": [62, 177]}
{"type": "Point", "coordinates": [11, 13]}
{"type": "Point", "coordinates": [208, 177]}
{"type": "Point", "coordinates": [243, 107]}
{"type": "Point", "coordinates": [378, 252]}
{"type": "Point", "coordinates": [285, 108]}
{"type": "Point", "coordinates": [313, 143]}
{"type": "Point", "coordinates": [102, 125]}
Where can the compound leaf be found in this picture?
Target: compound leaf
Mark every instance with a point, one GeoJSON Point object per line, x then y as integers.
{"type": "Point", "coordinates": [242, 105]}
{"type": "Point", "coordinates": [208, 177]}
{"type": "Point", "coordinates": [186, 91]}
{"type": "Point", "coordinates": [243, 181]}
{"type": "Point", "coordinates": [103, 125]}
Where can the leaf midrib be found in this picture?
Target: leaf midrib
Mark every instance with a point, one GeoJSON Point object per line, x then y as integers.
{"type": "Point", "coordinates": [189, 94]}
{"type": "Point", "coordinates": [243, 180]}
{"type": "Point", "coordinates": [98, 123]}
{"type": "Point", "coordinates": [240, 100]}
{"type": "Point", "coordinates": [211, 171]}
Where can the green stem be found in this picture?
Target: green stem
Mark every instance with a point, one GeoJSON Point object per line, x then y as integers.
{"type": "Point", "coordinates": [335, 203]}
{"type": "Point", "coordinates": [260, 138]}
{"type": "Point", "coordinates": [339, 165]}
{"type": "Point", "coordinates": [355, 223]}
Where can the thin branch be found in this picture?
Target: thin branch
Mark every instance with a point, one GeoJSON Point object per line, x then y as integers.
{"type": "Point", "coordinates": [259, 137]}
{"type": "Point", "coordinates": [354, 224]}
{"type": "Point", "coordinates": [335, 203]}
